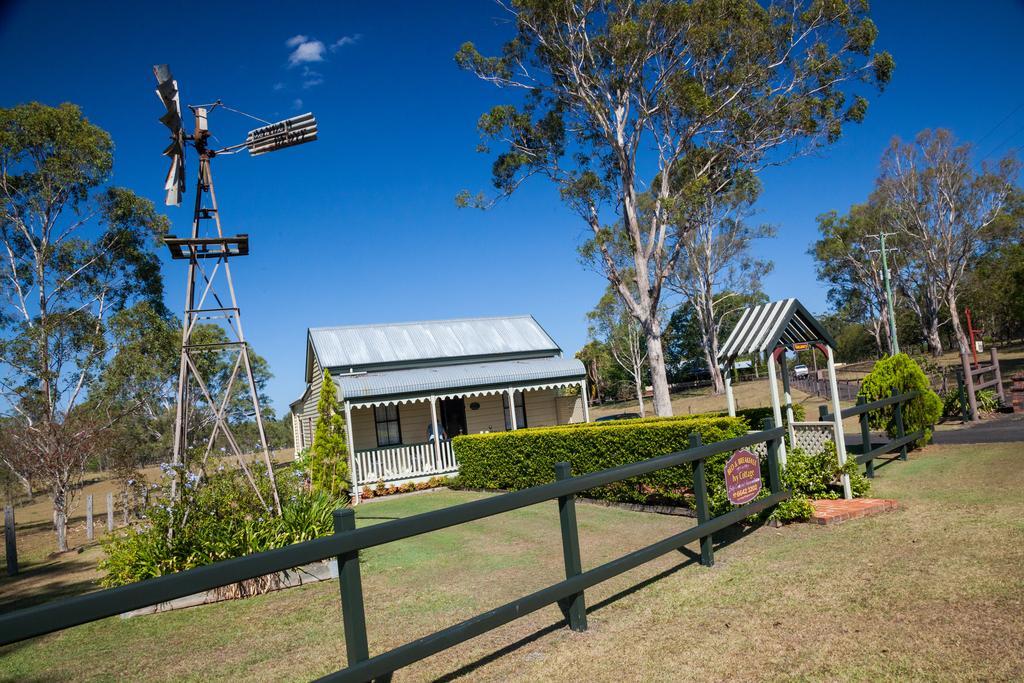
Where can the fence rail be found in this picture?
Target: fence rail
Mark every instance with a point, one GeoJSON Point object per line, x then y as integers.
{"type": "Point", "coordinates": [347, 542]}
{"type": "Point", "coordinates": [869, 453]}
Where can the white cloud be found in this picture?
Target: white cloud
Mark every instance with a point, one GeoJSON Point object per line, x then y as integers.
{"type": "Point", "coordinates": [345, 40]}
{"type": "Point", "coordinates": [279, 86]}
{"type": "Point", "coordinates": [311, 78]}
{"type": "Point", "coordinates": [305, 50]}
{"type": "Point", "coordinates": [297, 103]}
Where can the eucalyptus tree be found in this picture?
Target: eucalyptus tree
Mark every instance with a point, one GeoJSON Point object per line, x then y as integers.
{"type": "Point", "coordinates": [634, 109]}
{"type": "Point", "coordinates": [75, 250]}
{"type": "Point", "coordinates": [945, 208]}
{"type": "Point", "coordinates": [848, 261]}
{"type": "Point", "coordinates": [717, 272]}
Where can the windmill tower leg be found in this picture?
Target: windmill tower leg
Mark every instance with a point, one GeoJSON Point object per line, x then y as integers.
{"type": "Point", "coordinates": [216, 249]}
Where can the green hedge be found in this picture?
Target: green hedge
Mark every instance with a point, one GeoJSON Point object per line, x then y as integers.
{"type": "Point", "coordinates": [754, 418]}
{"type": "Point", "coordinates": [527, 457]}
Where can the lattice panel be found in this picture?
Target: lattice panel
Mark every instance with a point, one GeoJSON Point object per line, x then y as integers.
{"type": "Point", "coordinates": [811, 437]}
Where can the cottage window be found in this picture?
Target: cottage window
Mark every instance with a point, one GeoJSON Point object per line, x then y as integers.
{"type": "Point", "coordinates": [389, 429]}
{"type": "Point", "coordinates": [520, 409]}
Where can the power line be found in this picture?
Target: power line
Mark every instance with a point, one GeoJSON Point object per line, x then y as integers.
{"type": "Point", "coordinates": [1008, 138]}
{"type": "Point", "coordinates": [994, 128]}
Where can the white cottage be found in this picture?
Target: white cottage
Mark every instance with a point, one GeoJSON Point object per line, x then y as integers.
{"type": "Point", "coordinates": [401, 383]}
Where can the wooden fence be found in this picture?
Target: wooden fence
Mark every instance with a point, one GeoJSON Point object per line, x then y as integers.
{"type": "Point", "coordinates": [347, 542]}
{"type": "Point", "coordinates": [969, 387]}
{"type": "Point", "coordinates": [848, 388]}
{"type": "Point", "coordinates": [869, 452]}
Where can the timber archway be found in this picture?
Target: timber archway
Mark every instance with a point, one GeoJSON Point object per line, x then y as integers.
{"type": "Point", "coordinates": [773, 329]}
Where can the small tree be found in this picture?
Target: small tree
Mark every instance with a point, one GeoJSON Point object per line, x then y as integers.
{"type": "Point", "coordinates": [623, 338]}
{"type": "Point", "coordinates": [597, 361]}
{"type": "Point", "coordinates": [328, 459]}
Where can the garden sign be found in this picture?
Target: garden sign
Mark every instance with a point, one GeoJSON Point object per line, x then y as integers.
{"type": "Point", "coordinates": [742, 477]}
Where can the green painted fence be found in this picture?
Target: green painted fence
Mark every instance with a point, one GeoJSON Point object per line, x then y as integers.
{"type": "Point", "coordinates": [347, 542]}
{"type": "Point", "coordinates": [870, 452]}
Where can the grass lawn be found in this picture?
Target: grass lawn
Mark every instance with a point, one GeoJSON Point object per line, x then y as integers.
{"type": "Point", "coordinates": [934, 591]}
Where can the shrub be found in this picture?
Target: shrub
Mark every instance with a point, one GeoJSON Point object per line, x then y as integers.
{"type": "Point", "coordinates": [527, 457]}
{"type": "Point", "coordinates": [902, 374]}
{"type": "Point", "coordinates": [816, 475]}
{"type": "Point", "coordinates": [987, 399]}
{"type": "Point", "coordinates": [217, 518]}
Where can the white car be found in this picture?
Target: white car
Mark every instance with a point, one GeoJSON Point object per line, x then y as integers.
{"type": "Point", "coordinates": [800, 370]}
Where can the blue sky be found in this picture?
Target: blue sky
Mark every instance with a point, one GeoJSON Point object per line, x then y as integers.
{"type": "Point", "coordinates": [361, 225]}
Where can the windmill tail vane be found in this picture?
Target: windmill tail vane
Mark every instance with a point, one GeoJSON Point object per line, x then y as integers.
{"type": "Point", "coordinates": [270, 138]}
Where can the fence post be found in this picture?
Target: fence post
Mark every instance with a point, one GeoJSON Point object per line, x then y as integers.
{"type": "Point", "coordinates": [353, 614]}
{"type": "Point", "coordinates": [999, 375]}
{"type": "Point", "coordinates": [900, 432]}
{"type": "Point", "coordinates": [88, 517]}
{"type": "Point", "coordinates": [10, 541]}
{"type": "Point", "coordinates": [961, 390]}
{"type": "Point", "coordinates": [865, 440]}
{"type": "Point", "coordinates": [110, 513]}
{"type": "Point", "coordinates": [575, 606]}
{"type": "Point", "coordinates": [700, 490]}
{"type": "Point", "coordinates": [972, 400]}
{"type": "Point", "coordinates": [774, 476]}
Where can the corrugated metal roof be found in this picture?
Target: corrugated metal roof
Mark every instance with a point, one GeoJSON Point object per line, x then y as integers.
{"type": "Point", "coordinates": [463, 376]}
{"type": "Point", "coordinates": [767, 326]}
{"type": "Point", "coordinates": [356, 346]}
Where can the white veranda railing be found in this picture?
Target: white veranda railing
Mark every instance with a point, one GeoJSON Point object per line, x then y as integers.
{"type": "Point", "coordinates": [397, 464]}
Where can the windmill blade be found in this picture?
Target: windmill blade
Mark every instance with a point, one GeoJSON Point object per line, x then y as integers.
{"type": "Point", "coordinates": [167, 91]}
{"type": "Point", "coordinates": [288, 133]}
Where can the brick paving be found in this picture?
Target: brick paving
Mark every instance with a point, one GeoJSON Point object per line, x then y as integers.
{"type": "Point", "coordinates": [835, 511]}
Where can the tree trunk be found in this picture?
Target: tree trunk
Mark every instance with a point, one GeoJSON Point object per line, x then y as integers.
{"type": "Point", "coordinates": [659, 375]}
{"type": "Point", "coordinates": [638, 382]}
{"type": "Point", "coordinates": [954, 315]}
{"type": "Point", "coordinates": [717, 381]}
{"type": "Point", "coordinates": [931, 333]}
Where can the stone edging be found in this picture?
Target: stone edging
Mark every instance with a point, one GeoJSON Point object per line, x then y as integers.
{"type": "Point", "coordinates": [289, 578]}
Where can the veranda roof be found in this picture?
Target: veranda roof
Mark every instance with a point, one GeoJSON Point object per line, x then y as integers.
{"type": "Point", "coordinates": [768, 326]}
{"type": "Point", "coordinates": [459, 379]}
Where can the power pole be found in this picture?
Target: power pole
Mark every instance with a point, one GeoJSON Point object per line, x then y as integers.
{"type": "Point", "coordinates": [888, 289]}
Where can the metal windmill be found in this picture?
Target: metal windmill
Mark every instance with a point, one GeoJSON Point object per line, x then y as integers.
{"type": "Point", "coordinates": [208, 252]}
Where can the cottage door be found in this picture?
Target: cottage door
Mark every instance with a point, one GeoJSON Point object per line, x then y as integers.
{"type": "Point", "coordinates": [453, 416]}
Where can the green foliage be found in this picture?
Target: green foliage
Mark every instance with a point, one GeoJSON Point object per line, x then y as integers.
{"type": "Point", "coordinates": [816, 476]}
{"type": "Point", "coordinates": [328, 457]}
{"type": "Point", "coordinates": [217, 518]}
{"type": "Point", "coordinates": [901, 374]}
{"type": "Point", "coordinates": [527, 457]}
{"type": "Point", "coordinates": [987, 400]}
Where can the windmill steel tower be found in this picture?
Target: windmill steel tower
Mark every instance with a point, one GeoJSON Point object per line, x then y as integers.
{"type": "Point", "coordinates": [208, 252]}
